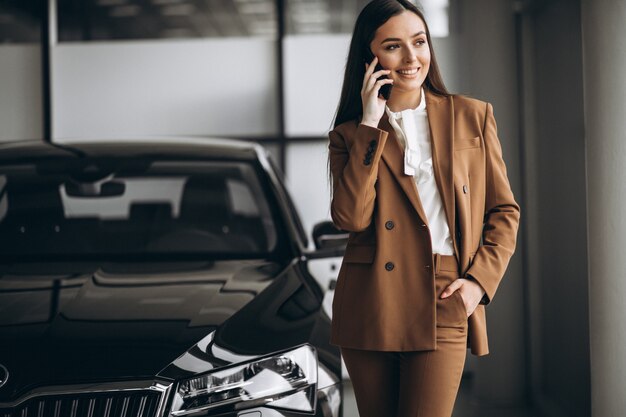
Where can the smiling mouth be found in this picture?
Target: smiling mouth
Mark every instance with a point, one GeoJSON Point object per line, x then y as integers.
{"type": "Point", "coordinates": [411, 71]}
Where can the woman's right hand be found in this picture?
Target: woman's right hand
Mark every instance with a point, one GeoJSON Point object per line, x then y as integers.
{"type": "Point", "coordinates": [373, 106]}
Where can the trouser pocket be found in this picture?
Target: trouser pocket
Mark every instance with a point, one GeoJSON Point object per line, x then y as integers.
{"type": "Point", "coordinates": [450, 310]}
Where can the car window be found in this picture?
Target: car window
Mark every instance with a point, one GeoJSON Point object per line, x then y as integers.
{"type": "Point", "coordinates": [132, 207]}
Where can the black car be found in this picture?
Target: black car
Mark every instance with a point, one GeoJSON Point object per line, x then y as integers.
{"type": "Point", "coordinates": [158, 277]}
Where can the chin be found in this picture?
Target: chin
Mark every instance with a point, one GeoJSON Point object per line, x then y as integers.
{"type": "Point", "coordinates": [411, 87]}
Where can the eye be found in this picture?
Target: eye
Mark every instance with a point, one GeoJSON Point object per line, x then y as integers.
{"type": "Point", "coordinates": [391, 47]}
{"type": "Point", "coordinates": [420, 42]}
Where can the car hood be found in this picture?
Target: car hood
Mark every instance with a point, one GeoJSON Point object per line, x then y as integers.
{"type": "Point", "coordinates": [66, 324]}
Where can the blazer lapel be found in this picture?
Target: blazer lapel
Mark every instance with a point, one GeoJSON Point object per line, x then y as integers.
{"type": "Point", "coordinates": [440, 113]}
{"type": "Point", "coordinates": [393, 155]}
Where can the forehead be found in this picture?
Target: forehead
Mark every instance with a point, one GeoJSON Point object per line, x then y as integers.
{"type": "Point", "coordinates": [405, 24]}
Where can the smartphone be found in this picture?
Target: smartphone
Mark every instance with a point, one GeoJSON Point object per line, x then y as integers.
{"type": "Point", "coordinates": [385, 89]}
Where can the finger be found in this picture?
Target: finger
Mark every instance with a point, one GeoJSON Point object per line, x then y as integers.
{"type": "Point", "coordinates": [370, 83]}
{"type": "Point", "coordinates": [456, 284]}
{"type": "Point", "coordinates": [379, 83]}
{"type": "Point", "coordinates": [366, 78]}
{"type": "Point", "coordinates": [371, 66]}
{"type": "Point", "coordinates": [377, 89]}
{"type": "Point", "coordinates": [374, 82]}
{"type": "Point", "coordinates": [380, 73]}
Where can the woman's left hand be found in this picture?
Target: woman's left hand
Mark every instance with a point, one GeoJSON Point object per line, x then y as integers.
{"type": "Point", "coordinates": [471, 293]}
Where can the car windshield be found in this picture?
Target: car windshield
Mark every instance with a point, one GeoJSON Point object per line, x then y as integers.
{"type": "Point", "coordinates": [116, 206]}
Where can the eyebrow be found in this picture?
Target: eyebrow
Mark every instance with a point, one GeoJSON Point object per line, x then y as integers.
{"type": "Point", "coordinates": [398, 39]}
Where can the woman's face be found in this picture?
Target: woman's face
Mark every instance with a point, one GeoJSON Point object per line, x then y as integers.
{"type": "Point", "coordinates": [402, 47]}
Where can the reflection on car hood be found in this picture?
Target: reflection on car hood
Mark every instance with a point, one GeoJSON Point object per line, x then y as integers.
{"type": "Point", "coordinates": [115, 321]}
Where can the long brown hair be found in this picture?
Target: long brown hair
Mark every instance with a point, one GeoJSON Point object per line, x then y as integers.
{"type": "Point", "coordinates": [374, 15]}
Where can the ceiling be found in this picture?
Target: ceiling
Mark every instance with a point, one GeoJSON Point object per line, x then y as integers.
{"type": "Point", "coordinates": [92, 20]}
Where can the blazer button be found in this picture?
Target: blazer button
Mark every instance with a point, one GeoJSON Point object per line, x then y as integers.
{"type": "Point", "coordinates": [464, 189]}
{"type": "Point", "coordinates": [389, 225]}
{"type": "Point", "coordinates": [389, 266]}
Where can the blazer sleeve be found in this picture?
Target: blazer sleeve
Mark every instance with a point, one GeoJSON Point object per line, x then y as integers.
{"type": "Point", "coordinates": [354, 169]}
{"type": "Point", "coordinates": [502, 215]}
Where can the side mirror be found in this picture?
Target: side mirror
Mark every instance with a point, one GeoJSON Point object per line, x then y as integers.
{"type": "Point", "coordinates": [327, 236]}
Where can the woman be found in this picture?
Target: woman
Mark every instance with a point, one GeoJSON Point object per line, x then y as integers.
{"type": "Point", "coordinates": [419, 181]}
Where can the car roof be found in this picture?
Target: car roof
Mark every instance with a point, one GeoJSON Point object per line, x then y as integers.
{"type": "Point", "coordinates": [154, 146]}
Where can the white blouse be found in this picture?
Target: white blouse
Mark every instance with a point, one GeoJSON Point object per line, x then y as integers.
{"type": "Point", "coordinates": [411, 127]}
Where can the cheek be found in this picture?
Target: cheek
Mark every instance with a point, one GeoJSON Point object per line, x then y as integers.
{"type": "Point", "coordinates": [425, 57]}
{"type": "Point", "coordinates": [426, 66]}
{"type": "Point", "coordinates": [387, 62]}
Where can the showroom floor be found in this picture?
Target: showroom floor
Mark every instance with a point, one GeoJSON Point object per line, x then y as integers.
{"type": "Point", "coordinates": [465, 406]}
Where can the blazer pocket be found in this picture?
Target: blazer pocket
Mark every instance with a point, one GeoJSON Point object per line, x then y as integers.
{"type": "Point", "coordinates": [359, 254]}
{"type": "Point", "coordinates": [467, 143]}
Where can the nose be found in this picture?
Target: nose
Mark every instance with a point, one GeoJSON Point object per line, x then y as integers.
{"type": "Point", "coordinates": [409, 57]}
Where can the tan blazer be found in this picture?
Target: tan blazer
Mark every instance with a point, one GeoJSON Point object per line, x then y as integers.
{"type": "Point", "coordinates": [385, 293]}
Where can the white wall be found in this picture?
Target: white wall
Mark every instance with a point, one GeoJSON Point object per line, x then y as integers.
{"type": "Point", "coordinates": [20, 92]}
{"type": "Point", "coordinates": [313, 75]}
{"type": "Point", "coordinates": [604, 62]}
{"type": "Point", "coordinates": [188, 87]}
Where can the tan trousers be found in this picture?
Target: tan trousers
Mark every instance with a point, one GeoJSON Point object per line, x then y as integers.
{"type": "Point", "coordinates": [415, 383]}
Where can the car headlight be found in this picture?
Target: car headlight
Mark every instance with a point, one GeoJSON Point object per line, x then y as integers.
{"type": "Point", "coordinates": [259, 381]}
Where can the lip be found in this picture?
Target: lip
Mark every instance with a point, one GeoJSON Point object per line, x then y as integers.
{"type": "Point", "coordinates": [408, 76]}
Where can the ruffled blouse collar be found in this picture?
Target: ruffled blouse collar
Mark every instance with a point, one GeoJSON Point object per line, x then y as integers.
{"type": "Point", "coordinates": [403, 123]}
